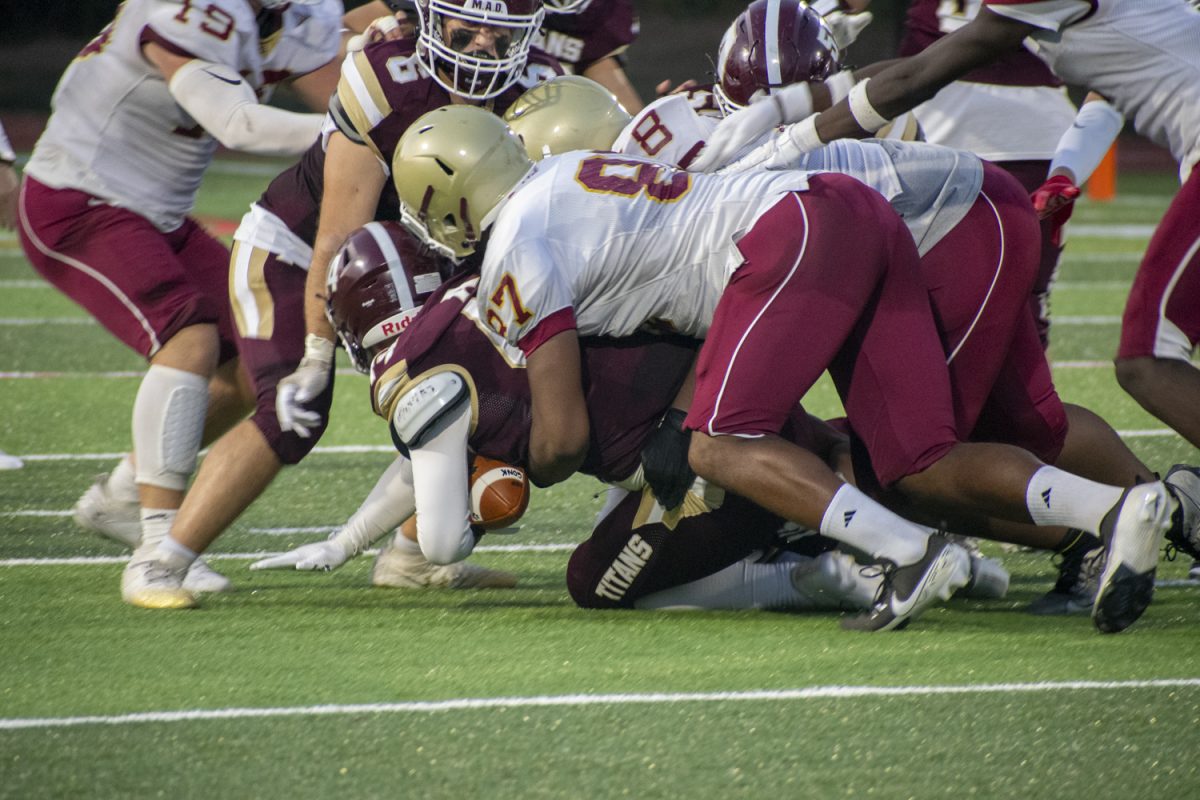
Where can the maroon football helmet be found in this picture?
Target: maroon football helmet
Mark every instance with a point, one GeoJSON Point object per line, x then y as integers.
{"type": "Point", "coordinates": [477, 76]}
{"type": "Point", "coordinates": [378, 280]}
{"type": "Point", "coordinates": [773, 43]}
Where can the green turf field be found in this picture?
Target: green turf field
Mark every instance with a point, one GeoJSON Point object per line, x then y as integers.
{"type": "Point", "coordinates": [317, 685]}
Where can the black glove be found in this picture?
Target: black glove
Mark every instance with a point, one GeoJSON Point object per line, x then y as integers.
{"type": "Point", "coordinates": [665, 460]}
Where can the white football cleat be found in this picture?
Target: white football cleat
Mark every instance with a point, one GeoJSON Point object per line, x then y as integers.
{"type": "Point", "coordinates": [1132, 535]}
{"type": "Point", "coordinates": [203, 579]}
{"type": "Point", "coordinates": [989, 579]}
{"type": "Point", "coordinates": [906, 591]}
{"type": "Point", "coordinates": [396, 569]}
{"type": "Point", "coordinates": [149, 583]}
{"type": "Point", "coordinates": [833, 580]}
{"type": "Point", "coordinates": [10, 462]}
{"type": "Point", "coordinates": [99, 511]}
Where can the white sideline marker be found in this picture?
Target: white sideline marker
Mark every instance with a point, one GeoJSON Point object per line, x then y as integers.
{"type": "Point", "coordinates": [577, 700]}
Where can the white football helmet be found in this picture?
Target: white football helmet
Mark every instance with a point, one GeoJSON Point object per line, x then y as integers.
{"type": "Point", "coordinates": [472, 75]}
{"type": "Point", "coordinates": [452, 167]}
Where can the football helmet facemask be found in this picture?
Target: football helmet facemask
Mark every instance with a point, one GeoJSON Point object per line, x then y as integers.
{"type": "Point", "coordinates": [378, 280]}
{"type": "Point", "coordinates": [447, 29]}
{"type": "Point", "coordinates": [278, 3]}
{"type": "Point", "coordinates": [566, 113]}
{"type": "Point", "coordinates": [772, 44]}
{"type": "Point", "coordinates": [573, 6]}
{"type": "Point", "coordinates": [452, 167]}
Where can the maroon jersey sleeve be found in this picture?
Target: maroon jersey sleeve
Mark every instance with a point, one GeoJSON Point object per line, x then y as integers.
{"type": "Point", "coordinates": [601, 30]}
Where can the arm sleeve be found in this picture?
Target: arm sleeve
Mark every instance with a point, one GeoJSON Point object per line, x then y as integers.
{"type": "Point", "coordinates": [1083, 146]}
{"type": "Point", "coordinates": [225, 105]}
{"type": "Point", "coordinates": [6, 150]}
{"type": "Point", "coordinates": [389, 504]}
{"type": "Point", "coordinates": [439, 468]}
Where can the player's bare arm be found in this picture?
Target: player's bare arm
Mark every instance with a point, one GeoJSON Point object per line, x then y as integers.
{"type": "Point", "coordinates": [559, 435]}
{"type": "Point", "coordinates": [908, 82]}
{"type": "Point", "coordinates": [608, 73]}
{"type": "Point", "coordinates": [354, 179]}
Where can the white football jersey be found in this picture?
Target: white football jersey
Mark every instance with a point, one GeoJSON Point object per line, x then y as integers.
{"type": "Point", "coordinates": [1143, 55]}
{"type": "Point", "coordinates": [624, 244]}
{"type": "Point", "coordinates": [117, 133]}
{"type": "Point", "coordinates": [931, 188]}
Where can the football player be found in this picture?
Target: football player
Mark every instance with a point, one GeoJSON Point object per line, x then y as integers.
{"type": "Point", "coordinates": [1158, 89]}
{"type": "Point", "coordinates": [464, 53]}
{"type": "Point", "coordinates": [104, 206]}
{"type": "Point", "coordinates": [671, 130]}
{"type": "Point", "coordinates": [447, 384]}
{"type": "Point", "coordinates": [749, 260]}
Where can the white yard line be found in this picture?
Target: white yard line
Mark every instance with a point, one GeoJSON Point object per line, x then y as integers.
{"type": "Point", "coordinates": [92, 561]}
{"type": "Point", "coordinates": [582, 700]}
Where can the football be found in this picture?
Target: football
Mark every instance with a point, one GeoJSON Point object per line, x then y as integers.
{"type": "Point", "coordinates": [499, 493]}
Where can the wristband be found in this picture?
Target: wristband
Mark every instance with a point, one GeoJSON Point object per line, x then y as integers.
{"type": "Point", "coordinates": [839, 85]}
{"type": "Point", "coordinates": [804, 135]}
{"type": "Point", "coordinates": [863, 112]}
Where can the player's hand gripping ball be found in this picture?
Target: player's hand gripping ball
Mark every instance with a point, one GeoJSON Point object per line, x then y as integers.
{"type": "Point", "coordinates": [499, 493]}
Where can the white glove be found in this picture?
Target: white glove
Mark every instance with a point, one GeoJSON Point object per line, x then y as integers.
{"type": "Point", "coordinates": [303, 386]}
{"type": "Point", "coordinates": [327, 555]}
{"type": "Point", "coordinates": [790, 104]}
{"type": "Point", "coordinates": [381, 28]}
{"type": "Point", "coordinates": [847, 27]}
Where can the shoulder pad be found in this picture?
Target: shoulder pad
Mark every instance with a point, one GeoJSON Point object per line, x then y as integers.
{"type": "Point", "coordinates": [418, 410]}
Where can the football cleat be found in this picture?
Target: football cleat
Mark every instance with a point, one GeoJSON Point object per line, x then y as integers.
{"type": "Point", "coordinates": [1132, 533]}
{"type": "Point", "coordinates": [1183, 536]}
{"type": "Point", "coordinates": [831, 580]}
{"type": "Point", "coordinates": [203, 579]}
{"type": "Point", "coordinates": [100, 511]}
{"type": "Point", "coordinates": [149, 583]}
{"type": "Point", "coordinates": [908, 590]}
{"type": "Point", "coordinates": [397, 569]}
{"type": "Point", "coordinates": [989, 579]}
{"type": "Point", "coordinates": [10, 462]}
{"type": "Point", "coordinates": [1078, 575]}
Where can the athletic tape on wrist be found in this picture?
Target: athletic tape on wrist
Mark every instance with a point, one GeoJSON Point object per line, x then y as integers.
{"type": "Point", "coordinates": [804, 135]}
{"type": "Point", "coordinates": [863, 112]}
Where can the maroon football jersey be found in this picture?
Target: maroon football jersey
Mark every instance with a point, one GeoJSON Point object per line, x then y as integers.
{"type": "Point", "coordinates": [628, 383]}
{"type": "Point", "coordinates": [390, 90]}
{"type": "Point", "coordinates": [605, 28]}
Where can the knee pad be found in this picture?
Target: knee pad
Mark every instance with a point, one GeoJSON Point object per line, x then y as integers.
{"type": "Point", "coordinates": [168, 423]}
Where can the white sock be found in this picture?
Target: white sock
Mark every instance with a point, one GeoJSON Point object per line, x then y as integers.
{"type": "Point", "coordinates": [156, 524]}
{"type": "Point", "coordinates": [738, 586]}
{"type": "Point", "coordinates": [122, 481]}
{"type": "Point", "coordinates": [174, 555]}
{"type": "Point", "coordinates": [1055, 497]}
{"type": "Point", "coordinates": [865, 525]}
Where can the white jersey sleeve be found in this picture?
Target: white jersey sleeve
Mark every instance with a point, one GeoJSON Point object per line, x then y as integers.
{"type": "Point", "coordinates": [116, 131]}
{"type": "Point", "coordinates": [1142, 55]}
{"type": "Point", "coordinates": [529, 298]}
{"type": "Point", "coordinates": [668, 130]}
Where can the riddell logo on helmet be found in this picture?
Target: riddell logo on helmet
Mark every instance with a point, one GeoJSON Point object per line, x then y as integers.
{"type": "Point", "coordinates": [394, 327]}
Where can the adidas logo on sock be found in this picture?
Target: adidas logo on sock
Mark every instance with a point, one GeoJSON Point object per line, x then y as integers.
{"type": "Point", "coordinates": [847, 516]}
{"type": "Point", "coordinates": [1046, 497]}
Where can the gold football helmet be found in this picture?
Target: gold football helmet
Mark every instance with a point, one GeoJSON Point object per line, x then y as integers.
{"type": "Point", "coordinates": [451, 168]}
{"type": "Point", "coordinates": [569, 112]}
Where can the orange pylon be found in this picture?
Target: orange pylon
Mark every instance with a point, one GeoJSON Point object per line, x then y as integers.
{"type": "Point", "coordinates": [1103, 183]}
